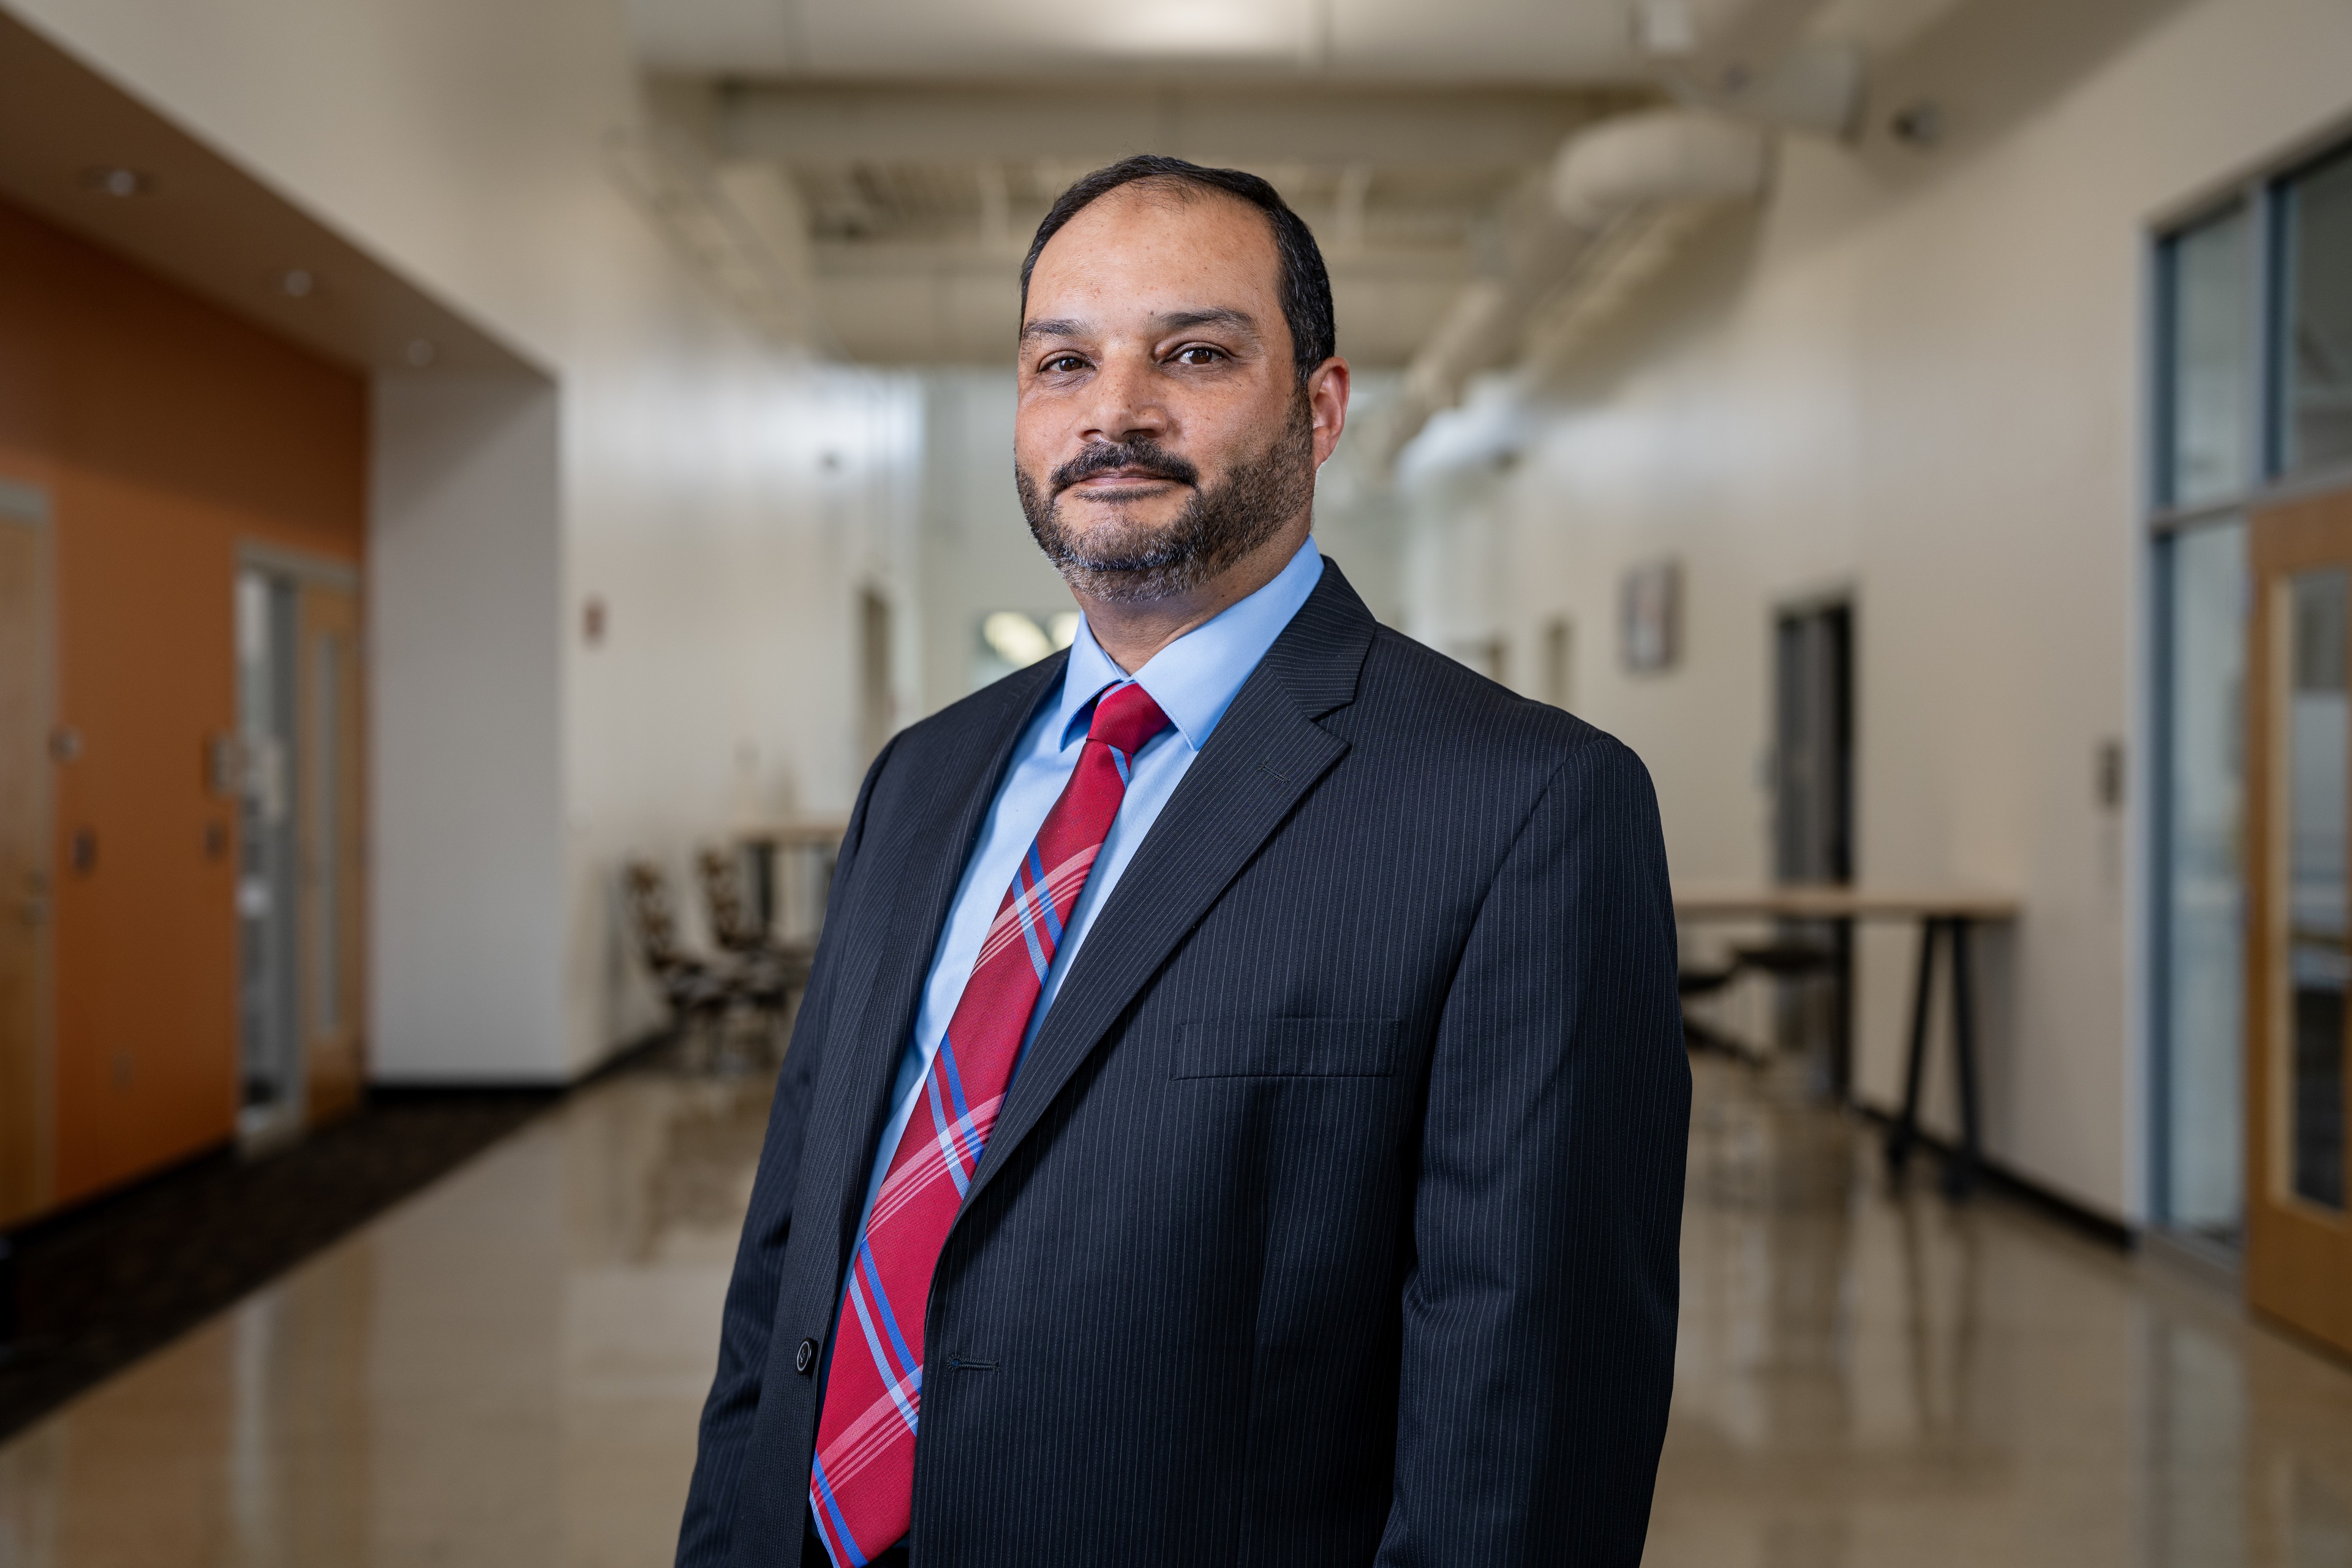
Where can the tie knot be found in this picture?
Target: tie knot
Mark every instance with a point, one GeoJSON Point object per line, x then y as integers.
{"type": "Point", "coordinates": [1126, 719]}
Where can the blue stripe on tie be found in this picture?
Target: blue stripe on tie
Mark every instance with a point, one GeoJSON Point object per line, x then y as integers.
{"type": "Point", "coordinates": [944, 1066]}
{"type": "Point", "coordinates": [1038, 960]}
{"type": "Point", "coordinates": [954, 1075]}
{"type": "Point", "coordinates": [881, 1360]}
{"type": "Point", "coordinates": [948, 1140]}
{"type": "Point", "coordinates": [840, 1525]}
{"type": "Point", "coordinates": [1044, 895]}
{"type": "Point", "coordinates": [882, 1299]}
{"type": "Point", "coordinates": [1119, 761]}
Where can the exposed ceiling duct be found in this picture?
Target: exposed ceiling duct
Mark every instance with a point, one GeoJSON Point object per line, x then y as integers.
{"type": "Point", "coordinates": [1621, 195]}
{"type": "Point", "coordinates": [1607, 187]}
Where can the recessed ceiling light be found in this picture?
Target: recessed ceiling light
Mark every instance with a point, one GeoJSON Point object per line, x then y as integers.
{"type": "Point", "coordinates": [116, 180]}
{"type": "Point", "coordinates": [420, 352]}
{"type": "Point", "coordinates": [297, 284]}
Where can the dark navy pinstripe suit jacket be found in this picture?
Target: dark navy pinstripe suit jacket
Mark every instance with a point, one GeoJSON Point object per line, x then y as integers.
{"type": "Point", "coordinates": [1332, 1218]}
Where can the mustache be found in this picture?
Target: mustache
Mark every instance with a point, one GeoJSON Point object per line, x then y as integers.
{"type": "Point", "coordinates": [1142, 455]}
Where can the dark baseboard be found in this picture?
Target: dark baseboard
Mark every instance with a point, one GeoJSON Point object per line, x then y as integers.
{"type": "Point", "coordinates": [1996, 1177]}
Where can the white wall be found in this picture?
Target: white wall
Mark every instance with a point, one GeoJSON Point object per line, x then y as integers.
{"type": "Point", "coordinates": [1918, 377]}
{"type": "Point", "coordinates": [466, 675]}
{"type": "Point", "coordinates": [678, 461]}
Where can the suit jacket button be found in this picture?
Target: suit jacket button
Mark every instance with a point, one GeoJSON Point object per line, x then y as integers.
{"type": "Point", "coordinates": [804, 1357]}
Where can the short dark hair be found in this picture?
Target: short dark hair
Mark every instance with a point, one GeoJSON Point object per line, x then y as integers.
{"type": "Point", "coordinates": [1303, 281]}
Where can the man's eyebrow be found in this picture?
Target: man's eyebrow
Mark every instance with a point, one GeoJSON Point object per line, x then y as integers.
{"type": "Point", "coordinates": [1210, 316]}
{"type": "Point", "coordinates": [1051, 327]}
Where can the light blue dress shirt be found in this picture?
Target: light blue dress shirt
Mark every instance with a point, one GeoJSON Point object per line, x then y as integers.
{"type": "Point", "coordinates": [1195, 680]}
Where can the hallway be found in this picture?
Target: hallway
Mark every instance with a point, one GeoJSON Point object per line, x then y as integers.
{"type": "Point", "coordinates": [506, 1370]}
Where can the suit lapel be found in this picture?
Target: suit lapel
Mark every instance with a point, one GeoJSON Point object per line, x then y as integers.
{"type": "Point", "coordinates": [923, 859]}
{"type": "Point", "coordinates": [1266, 753]}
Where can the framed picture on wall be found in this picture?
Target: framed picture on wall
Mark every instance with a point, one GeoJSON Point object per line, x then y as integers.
{"type": "Point", "coordinates": [1649, 615]}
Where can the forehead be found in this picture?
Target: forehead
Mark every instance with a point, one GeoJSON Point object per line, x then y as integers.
{"type": "Point", "coordinates": [1150, 248]}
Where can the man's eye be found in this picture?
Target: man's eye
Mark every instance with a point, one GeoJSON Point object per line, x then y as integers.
{"type": "Point", "coordinates": [1062, 364]}
{"type": "Point", "coordinates": [1198, 354]}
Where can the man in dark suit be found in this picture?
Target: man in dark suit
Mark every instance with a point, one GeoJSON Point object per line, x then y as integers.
{"type": "Point", "coordinates": [1238, 1113]}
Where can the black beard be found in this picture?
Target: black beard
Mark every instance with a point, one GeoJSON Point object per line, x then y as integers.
{"type": "Point", "coordinates": [1138, 564]}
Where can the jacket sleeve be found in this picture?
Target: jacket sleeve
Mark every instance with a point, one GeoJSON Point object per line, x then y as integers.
{"type": "Point", "coordinates": [1539, 1306]}
{"type": "Point", "coordinates": [705, 1538]}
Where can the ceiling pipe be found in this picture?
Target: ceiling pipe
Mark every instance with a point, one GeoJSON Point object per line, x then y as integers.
{"type": "Point", "coordinates": [1602, 178]}
{"type": "Point", "coordinates": [1630, 187]}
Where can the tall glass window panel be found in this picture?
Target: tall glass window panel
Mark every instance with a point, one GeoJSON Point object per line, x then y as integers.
{"type": "Point", "coordinates": [2204, 661]}
{"type": "Point", "coordinates": [2319, 753]}
{"type": "Point", "coordinates": [2316, 359]}
{"type": "Point", "coordinates": [2210, 350]}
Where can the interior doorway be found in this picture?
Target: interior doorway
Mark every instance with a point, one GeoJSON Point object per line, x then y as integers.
{"type": "Point", "coordinates": [2298, 1092]}
{"type": "Point", "coordinates": [300, 891]}
{"type": "Point", "coordinates": [1813, 828]}
{"type": "Point", "coordinates": [26, 1164]}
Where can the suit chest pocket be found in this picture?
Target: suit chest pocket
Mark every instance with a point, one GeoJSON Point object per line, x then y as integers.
{"type": "Point", "coordinates": [1288, 1048]}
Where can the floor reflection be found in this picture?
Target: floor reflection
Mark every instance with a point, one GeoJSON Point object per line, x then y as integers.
{"type": "Point", "coordinates": [1871, 1378]}
{"type": "Point", "coordinates": [507, 1369]}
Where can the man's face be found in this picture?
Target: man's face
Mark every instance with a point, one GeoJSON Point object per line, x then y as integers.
{"type": "Point", "coordinates": [1162, 434]}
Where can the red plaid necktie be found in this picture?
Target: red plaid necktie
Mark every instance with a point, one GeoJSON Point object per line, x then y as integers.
{"type": "Point", "coordinates": [862, 1484]}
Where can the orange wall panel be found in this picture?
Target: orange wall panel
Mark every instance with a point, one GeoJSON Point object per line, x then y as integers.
{"type": "Point", "coordinates": [169, 433]}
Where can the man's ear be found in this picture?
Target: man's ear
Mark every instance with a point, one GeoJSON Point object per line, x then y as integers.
{"type": "Point", "coordinates": [1327, 387]}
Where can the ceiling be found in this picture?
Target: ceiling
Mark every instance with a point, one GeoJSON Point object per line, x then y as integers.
{"type": "Point", "coordinates": [864, 175]}
{"type": "Point", "coordinates": [896, 213]}
{"type": "Point", "coordinates": [85, 155]}
{"type": "Point", "coordinates": [1458, 41]}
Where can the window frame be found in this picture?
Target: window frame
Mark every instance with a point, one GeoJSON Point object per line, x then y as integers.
{"type": "Point", "coordinates": [2261, 194]}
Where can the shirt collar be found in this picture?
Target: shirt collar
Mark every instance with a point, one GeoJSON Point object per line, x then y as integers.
{"type": "Point", "coordinates": [1196, 677]}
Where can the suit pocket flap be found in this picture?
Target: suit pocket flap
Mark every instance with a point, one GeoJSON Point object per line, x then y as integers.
{"type": "Point", "coordinates": [1288, 1048]}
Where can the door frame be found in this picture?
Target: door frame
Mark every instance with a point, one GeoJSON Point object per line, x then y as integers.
{"type": "Point", "coordinates": [325, 1089]}
{"type": "Point", "coordinates": [2298, 1259]}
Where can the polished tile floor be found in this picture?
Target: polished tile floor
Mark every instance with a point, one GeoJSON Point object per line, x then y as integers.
{"type": "Point", "coordinates": [506, 1368]}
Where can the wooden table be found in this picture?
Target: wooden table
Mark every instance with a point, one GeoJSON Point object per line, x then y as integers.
{"type": "Point", "coordinates": [1950, 912]}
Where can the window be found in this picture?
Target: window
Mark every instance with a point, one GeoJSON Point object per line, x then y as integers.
{"type": "Point", "coordinates": [2253, 392]}
{"type": "Point", "coordinates": [2200, 949]}
{"type": "Point", "coordinates": [2314, 359]}
{"type": "Point", "coordinates": [2209, 349]}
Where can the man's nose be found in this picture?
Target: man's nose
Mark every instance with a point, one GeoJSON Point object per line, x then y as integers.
{"type": "Point", "coordinates": [1127, 406]}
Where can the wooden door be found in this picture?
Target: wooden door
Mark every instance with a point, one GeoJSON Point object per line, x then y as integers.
{"type": "Point", "coordinates": [330, 833]}
{"type": "Point", "coordinates": [26, 1160]}
{"type": "Point", "coordinates": [2299, 936]}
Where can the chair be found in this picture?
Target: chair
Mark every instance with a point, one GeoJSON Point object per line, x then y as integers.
{"type": "Point", "coordinates": [698, 989]}
{"type": "Point", "coordinates": [739, 931]}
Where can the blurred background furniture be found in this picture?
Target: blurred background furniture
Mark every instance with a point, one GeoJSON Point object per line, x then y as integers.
{"type": "Point", "coordinates": [788, 870]}
{"type": "Point", "coordinates": [706, 993]}
{"type": "Point", "coordinates": [741, 926]}
{"type": "Point", "coordinates": [1950, 914]}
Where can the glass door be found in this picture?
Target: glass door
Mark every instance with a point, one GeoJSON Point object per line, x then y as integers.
{"type": "Point", "coordinates": [2299, 954]}
{"type": "Point", "coordinates": [301, 893]}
